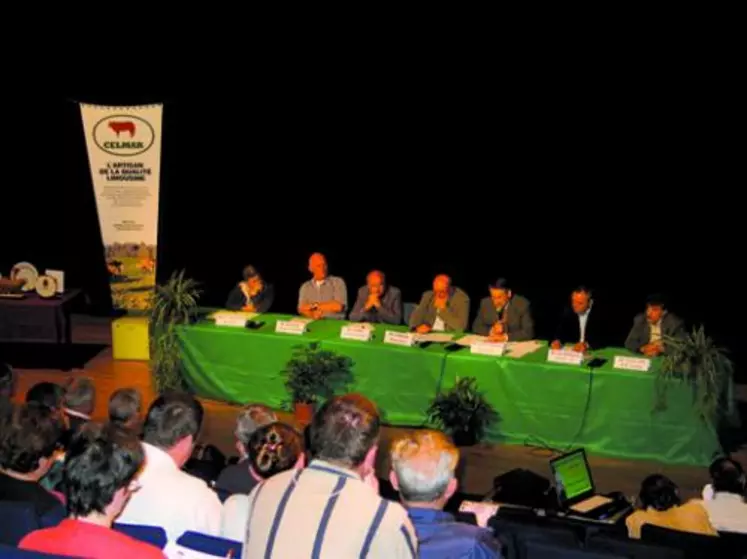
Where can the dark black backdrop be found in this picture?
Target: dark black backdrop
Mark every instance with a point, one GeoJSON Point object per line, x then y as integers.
{"type": "Point", "coordinates": [630, 191]}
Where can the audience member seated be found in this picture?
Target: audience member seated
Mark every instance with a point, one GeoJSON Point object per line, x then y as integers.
{"type": "Point", "coordinates": [78, 402]}
{"type": "Point", "coordinates": [100, 471]}
{"type": "Point", "coordinates": [169, 497]}
{"type": "Point", "coordinates": [272, 449]}
{"type": "Point", "coordinates": [661, 505]}
{"type": "Point", "coordinates": [125, 406]}
{"type": "Point", "coordinates": [331, 508]}
{"type": "Point", "coordinates": [28, 441]}
{"type": "Point", "coordinates": [236, 477]}
{"type": "Point", "coordinates": [726, 506]}
{"type": "Point", "coordinates": [50, 395]}
{"type": "Point", "coordinates": [7, 388]}
{"type": "Point", "coordinates": [423, 466]}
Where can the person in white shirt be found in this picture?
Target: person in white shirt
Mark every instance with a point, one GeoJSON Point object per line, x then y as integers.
{"type": "Point", "coordinates": [170, 497]}
{"type": "Point", "coordinates": [724, 499]}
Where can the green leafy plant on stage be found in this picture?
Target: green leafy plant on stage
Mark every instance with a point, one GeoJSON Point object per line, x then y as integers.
{"type": "Point", "coordinates": [314, 374]}
{"type": "Point", "coordinates": [463, 412]}
{"type": "Point", "coordinates": [174, 304]}
{"type": "Point", "coordinates": [706, 367]}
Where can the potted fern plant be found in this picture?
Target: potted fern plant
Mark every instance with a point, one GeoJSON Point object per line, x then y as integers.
{"type": "Point", "coordinates": [314, 374]}
{"type": "Point", "coordinates": [463, 412]}
{"type": "Point", "coordinates": [174, 304]}
{"type": "Point", "coordinates": [706, 367]}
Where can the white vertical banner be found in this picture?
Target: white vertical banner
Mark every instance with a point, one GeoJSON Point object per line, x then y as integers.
{"type": "Point", "coordinates": [124, 152]}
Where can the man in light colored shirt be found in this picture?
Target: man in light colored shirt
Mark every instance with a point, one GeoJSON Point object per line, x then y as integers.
{"type": "Point", "coordinates": [423, 466]}
{"type": "Point", "coordinates": [647, 336]}
{"type": "Point", "coordinates": [726, 506]}
{"type": "Point", "coordinates": [446, 308]}
{"type": "Point", "coordinates": [323, 296]}
{"type": "Point", "coordinates": [332, 508]}
{"type": "Point", "coordinates": [169, 497]}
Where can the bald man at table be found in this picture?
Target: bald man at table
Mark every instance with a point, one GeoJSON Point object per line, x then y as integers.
{"type": "Point", "coordinates": [323, 296]}
{"type": "Point", "coordinates": [377, 301]}
{"type": "Point", "coordinates": [444, 309]}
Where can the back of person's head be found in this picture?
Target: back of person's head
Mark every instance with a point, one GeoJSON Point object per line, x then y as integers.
{"type": "Point", "coordinates": [29, 436]}
{"type": "Point", "coordinates": [171, 418]}
{"type": "Point", "coordinates": [659, 492]}
{"type": "Point", "coordinates": [728, 476]}
{"type": "Point", "coordinates": [274, 448]}
{"type": "Point", "coordinates": [124, 406]}
{"type": "Point", "coordinates": [100, 464]}
{"type": "Point", "coordinates": [47, 394]}
{"type": "Point", "coordinates": [7, 384]}
{"type": "Point", "coordinates": [251, 418]}
{"type": "Point", "coordinates": [344, 430]}
{"type": "Point", "coordinates": [424, 462]}
{"type": "Point", "coordinates": [80, 395]}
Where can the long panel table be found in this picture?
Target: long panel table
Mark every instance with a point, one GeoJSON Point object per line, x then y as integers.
{"type": "Point", "coordinates": [608, 411]}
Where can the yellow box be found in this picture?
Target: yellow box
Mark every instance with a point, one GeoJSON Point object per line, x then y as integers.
{"type": "Point", "coordinates": [130, 338]}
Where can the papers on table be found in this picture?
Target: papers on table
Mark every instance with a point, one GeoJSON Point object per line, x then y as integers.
{"type": "Point", "coordinates": [470, 339]}
{"type": "Point", "coordinates": [513, 349]}
{"type": "Point", "coordinates": [520, 349]}
{"type": "Point", "coordinates": [434, 337]}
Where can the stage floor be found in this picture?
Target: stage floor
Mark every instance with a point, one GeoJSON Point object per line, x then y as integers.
{"type": "Point", "coordinates": [92, 340]}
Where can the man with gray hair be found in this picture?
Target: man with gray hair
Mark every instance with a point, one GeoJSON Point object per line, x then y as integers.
{"type": "Point", "coordinates": [423, 466]}
{"type": "Point", "coordinates": [236, 477]}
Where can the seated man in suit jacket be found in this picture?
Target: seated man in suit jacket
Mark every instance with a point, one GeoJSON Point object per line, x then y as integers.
{"type": "Point", "coordinates": [446, 308]}
{"type": "Point", "coordinates": [649, 328]}
{"type": "Point", "coordinates": [252, 294]}
{"type": "Point", "coordinates": [504, 316]}
{"type": "Point", "coordinates": [377, 301]}
{"type": "Point", "coordinates": [582, 324]}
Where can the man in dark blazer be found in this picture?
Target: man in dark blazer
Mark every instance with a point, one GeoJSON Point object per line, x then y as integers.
{"type": "Point", "coordinates": [446, 308]}
{"type": "Point", "coordinates": [504, 316]}
{"type": "Point", "coordinates": [651, 327]}
{"type": "Point", "coordinates": [582, 324]}
{"type": "Point", "coordinates": [377, 301]}
{"type": "Point", "coordinates": [252, 294]}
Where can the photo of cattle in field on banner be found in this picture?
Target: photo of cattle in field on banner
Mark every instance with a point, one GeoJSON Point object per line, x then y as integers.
{"type": "Point", "coordinates": [124, 153]}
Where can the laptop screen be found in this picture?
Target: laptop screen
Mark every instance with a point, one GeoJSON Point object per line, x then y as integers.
{"type": "Point", "coordinates": [572, 476]}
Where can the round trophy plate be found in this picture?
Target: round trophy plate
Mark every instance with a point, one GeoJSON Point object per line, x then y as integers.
{"type": "Point", "coordinates": [25, 272]}
{"type": "Point", "coordinates": [46, 286]}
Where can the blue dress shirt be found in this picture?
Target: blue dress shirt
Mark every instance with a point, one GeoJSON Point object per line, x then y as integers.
{"type": "Point", "coordinates": [440, 536]}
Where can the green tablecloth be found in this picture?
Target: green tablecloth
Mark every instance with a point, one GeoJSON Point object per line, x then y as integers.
{"type": "Point", "coordinates": [538, 402]}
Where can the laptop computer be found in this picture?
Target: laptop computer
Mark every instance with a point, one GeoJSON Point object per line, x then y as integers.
{"type": "Point", "coordinates": [574, 487]}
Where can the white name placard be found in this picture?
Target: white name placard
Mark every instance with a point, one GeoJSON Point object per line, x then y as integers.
{"type": "Point", "coordinates": [488, 348]}
{"type": "Point", "coordinates": [399, 338]}
{"type": "Point", "coordinates": [230, 320]}
{"type": "Point", "coordinates": [290, 327]}
{"type": "Point", "coordinates": [632, 363]}
{"type": "Point", "coordinates": [356, 332]}
{"type": "Point", "coordinates": [565, 356]}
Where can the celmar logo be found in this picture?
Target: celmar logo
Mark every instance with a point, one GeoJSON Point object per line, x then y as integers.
{"type": "Point", "coordinates": [123, 135]}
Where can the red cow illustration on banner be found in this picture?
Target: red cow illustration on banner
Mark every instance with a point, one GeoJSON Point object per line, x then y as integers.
{"type": "Point", "coordinates": [118, 126]}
